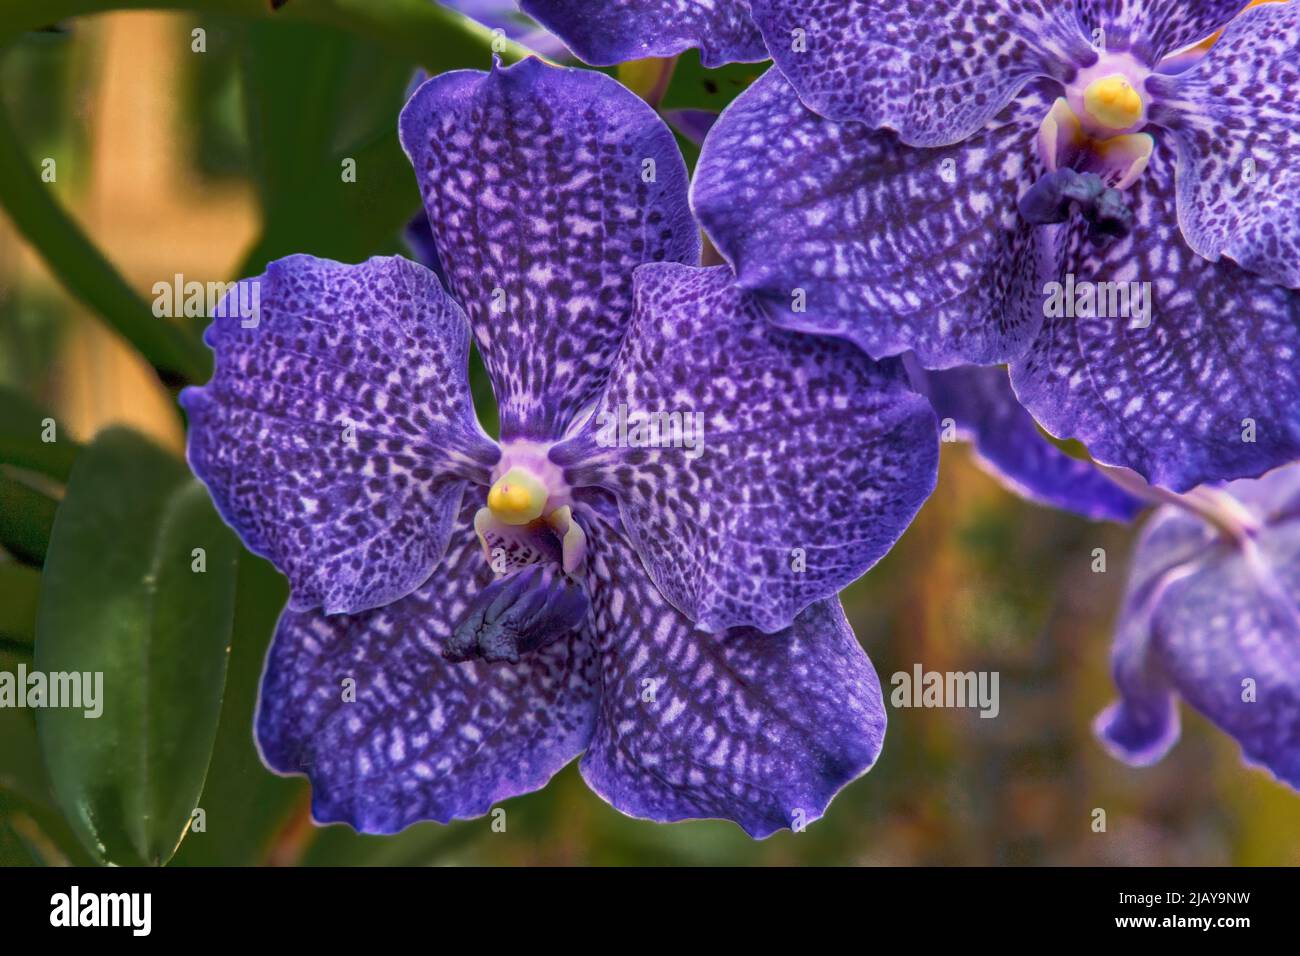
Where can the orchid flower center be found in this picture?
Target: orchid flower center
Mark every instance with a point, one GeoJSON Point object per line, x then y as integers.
{"type": "Point", "coordinates": [1112, 102]}
{"type": "Point", "coordinates": [536, 549]}
{"type": "Point", "coordinates": [1109, 97]}
{"type": "Point", "coordinates": [517, 497]}
{"type": "Point", "coordinates": [530, 504]}
{"type": "Point", "coordinates": [1092, 145]}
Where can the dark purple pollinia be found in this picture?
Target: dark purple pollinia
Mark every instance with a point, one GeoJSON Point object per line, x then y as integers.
{"type": "Point", "coordinates": [469, 615]}
{"type": "Point", "coordinates": [910, 164]}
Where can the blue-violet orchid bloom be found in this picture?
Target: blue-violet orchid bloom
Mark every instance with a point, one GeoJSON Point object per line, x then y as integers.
{"type": "Point", "coordinates": [976, 405]}
{"type": "Point", "coordinates": [1211, 616]}
{"type": "Point", "coordinates": [643, 569]}
{"type": "Point", "coordinates": [1082, 189]}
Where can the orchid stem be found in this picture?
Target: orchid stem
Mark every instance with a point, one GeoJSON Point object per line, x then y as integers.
{"type": "Point", "coordinates": [1212, 505]}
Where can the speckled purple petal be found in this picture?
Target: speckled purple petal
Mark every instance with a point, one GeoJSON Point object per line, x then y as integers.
{"type": "Point", "coordinates": [1152, 29]}
{"type": "Point", "coordinates": [1143, 724]}
{"type": "Point", "coordinates": [338, 430]}
{"type": "Point", "coordinates": [804, 463]}
{"type": "Point", "coordinates": [1222, 629]}
{"type": "Point", "coordinates": [762, 729]}
{"type": "Point", "coordinates": [985, 411]}
{"type": "Point", "coordinates": [1177, 400]}
{"type": "Point", "coordinates": [1235, 119]}
{"type": "Point", "coordinates": [535, 180]}
{"type": "Point", "coordinates": [935, 72]}
{"type": "Point", "coordinates": [423, 738]}
{"type": "Point", "coordinates": [605, 32]}
{"type": "Point", "coordinates": [1234, 623]}
{"type": "Point", "coordinates": [893, 247]}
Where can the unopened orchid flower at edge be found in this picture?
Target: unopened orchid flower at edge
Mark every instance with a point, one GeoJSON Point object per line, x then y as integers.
{"type": "Point", "coordinates": [1211, 616]}
{"type": "Point", "coordinates": [492, 610]}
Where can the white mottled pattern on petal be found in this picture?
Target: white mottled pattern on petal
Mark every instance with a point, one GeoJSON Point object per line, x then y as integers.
{"type": "Point", "coordinates": [1235, 122]}
{"type": "Point", "coordinates": [935, 72]}
{"type": "Point", "coordinates": [1209, 390]}
{"type": "Point", "coordinates": [762, 729]}
{"type": "Point", "coordinates": [605, 32]}
{"type": "Point", "coordinates": [338, 431]}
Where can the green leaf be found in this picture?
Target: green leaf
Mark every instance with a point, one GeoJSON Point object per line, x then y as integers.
{"type": "Point", "coordinates": [19, 590]}
{"type": "Point", "coordinates": [245, 804]}
{"type": "Point", "coordinates": [421, 31]}
{"type": "Point", "coordinates": [31, 828]}
{"type": "Point", "coordinates": [123, 596]}
{"type": "Point", "coordinates": [26, 519]}
{"type": "Point", "coordinates": [24, 428]}
{"type": "Point", "coordinates": [322, 112]}
{"type": "Point", "coordinates": [84, 271]}
{"type": "Point", "coordinates": [694, 87]}
{"type": "Point", "coordinates": [33, 833]}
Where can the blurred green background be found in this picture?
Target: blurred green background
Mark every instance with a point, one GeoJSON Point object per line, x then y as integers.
{"type": "Point", "coordinates": [169, 160]}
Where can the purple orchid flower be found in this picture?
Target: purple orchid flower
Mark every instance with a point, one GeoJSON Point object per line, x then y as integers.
{"type": "Point", "coordinates": [606, 32]}
{"type": "Point", "coordinates": [497, 609]}
{"type": "Point", "coordinates": [978, 406]}
{"type": "Point", "coordinates": [1211, 616]}
{"type": "Point", "coordinates": [1059, 186]}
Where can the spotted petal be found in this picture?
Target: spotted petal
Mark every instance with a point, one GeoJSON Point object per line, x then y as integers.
{"type": "Point", "coordinates": [1152, 29]}
{"type": "Point", "coordinates": [862, 237]}
{"type": "Point", "coordinates": [605, 32]}
{"type": "Point", "coordinates": [1220, 626]}
{"type": "Point", "coordinates": [758, 471]}
{"type": "Point", "coordinates": [338, 430]}
{"type": "Point", "coordinates": [984, 410]}
{"type": "Point", "coordinates": [391, 733]}
{"type": "Point", "coordinates": [545, 187]}
{"type": "Point", "coordinates": [1235, 120]}
{"type": "Point", "coordinates": [762, 729]}
{"type": "Point", "coordinates": [934, 72]}
{"type": "Point", "coordinates": [1209, 390]}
